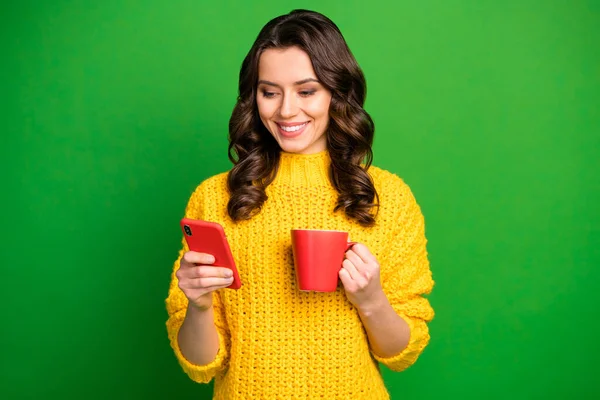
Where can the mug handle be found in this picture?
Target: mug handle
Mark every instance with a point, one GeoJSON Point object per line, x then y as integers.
{"type": "Point", "coordinates": [349, 245]}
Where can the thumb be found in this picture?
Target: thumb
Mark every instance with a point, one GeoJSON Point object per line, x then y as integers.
{"type": "Point", "coordinates": [345, 277]}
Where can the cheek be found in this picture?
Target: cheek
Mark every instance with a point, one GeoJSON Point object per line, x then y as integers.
{"type": "Point", "coordinates": [265, 109]}
{"type": "Point", "coordinates": [319, 109]}
{"type": "Point", "coordinates": [261, 107]}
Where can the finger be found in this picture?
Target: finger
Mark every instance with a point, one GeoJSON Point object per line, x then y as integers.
{"type": "Point", "coordinates": [203, 271]}
{"type": "Point", "coordinates": [345, 277]}
{"type": "Point", "coordinates": [355, 259]}
{"type": "Point", "coordinates": [363, 252]}
{"type": "Point", "coordinates": [192, 257]}
{"type": "Point", "coordinates": [205, 283]}
{"type": "Point", "coordinates": [352, 271]}
{"type": "Point", "coordinates": [366, 270]}
{"type": "Point", "coordinates": [215, 287]}
{"type": "Point", "coordinates": [206, 271]}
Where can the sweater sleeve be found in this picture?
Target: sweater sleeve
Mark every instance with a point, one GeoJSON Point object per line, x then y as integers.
{"type": "Point", "coordinates": [407, 278]}
{"type": "Point", "coordinates": [176, 304]}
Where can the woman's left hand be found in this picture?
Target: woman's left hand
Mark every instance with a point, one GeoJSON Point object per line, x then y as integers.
{"type": "Point", "coordinates": [360, 277]}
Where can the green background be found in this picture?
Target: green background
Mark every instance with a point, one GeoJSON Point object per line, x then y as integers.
{"type": "Point", "coordinates": [113, 111]}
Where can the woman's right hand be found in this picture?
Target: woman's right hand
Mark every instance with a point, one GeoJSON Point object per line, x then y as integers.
{"type": "Point", "coordinates": [198, 278]}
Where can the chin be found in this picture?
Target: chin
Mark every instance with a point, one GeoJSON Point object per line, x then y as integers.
{"type": "Point", "coordinates": [303, 144]}
{"type": "Point", "coordinates": [292, 147]}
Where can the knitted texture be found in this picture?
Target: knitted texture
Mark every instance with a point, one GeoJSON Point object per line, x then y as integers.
{"type": "Point", "coordinates": [277, 342]}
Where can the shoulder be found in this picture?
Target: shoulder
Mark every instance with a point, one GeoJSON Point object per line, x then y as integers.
{"type": "Point", "coordinates": [209, 192]}
{"type": "Point", "coordinates": [396, 198]}
{"type": "Point", "coordinates": [389, 185]}
{"type": "Point", "coordinates": [213, 185]}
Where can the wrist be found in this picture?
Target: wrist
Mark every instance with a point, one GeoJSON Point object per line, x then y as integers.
{"type": "Point", "coordinates": [376, 303]}
{"type": "Point", "coordinates": [199, 308]}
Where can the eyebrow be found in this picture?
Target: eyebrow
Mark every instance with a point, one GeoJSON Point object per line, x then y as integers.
{"type": "Point", "coordinates": [303, 81]}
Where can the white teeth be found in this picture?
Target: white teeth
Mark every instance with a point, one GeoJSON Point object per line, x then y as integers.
{"type": "Point", "coordinates": [293, 128]}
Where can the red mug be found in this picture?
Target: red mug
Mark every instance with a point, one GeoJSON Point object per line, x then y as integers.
{"type": "Point", "coordinates": [318, 257]}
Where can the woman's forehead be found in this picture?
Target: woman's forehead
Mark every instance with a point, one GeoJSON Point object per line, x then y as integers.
{"type": "Point", "coordinates": [288, 66]}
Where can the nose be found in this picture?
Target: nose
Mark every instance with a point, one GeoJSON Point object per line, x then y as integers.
{"type": "Point", "coordinates": [289, 107]}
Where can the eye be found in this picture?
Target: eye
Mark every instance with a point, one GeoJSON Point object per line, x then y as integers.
{"type": "Point", "coordinates": [268, 95]}
{"type": "Point", "coordinates": [307, 93]}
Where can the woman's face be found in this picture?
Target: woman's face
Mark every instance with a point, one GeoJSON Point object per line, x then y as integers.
{"type": "Point", "coordinates": [292, 104]}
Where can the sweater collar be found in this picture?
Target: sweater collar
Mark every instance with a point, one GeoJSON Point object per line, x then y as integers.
{"type": "Point", "coordinates": [303, 170]}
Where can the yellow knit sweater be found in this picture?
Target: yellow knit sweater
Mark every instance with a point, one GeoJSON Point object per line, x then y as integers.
{"type": "Point", "coordinates": [279, 343]}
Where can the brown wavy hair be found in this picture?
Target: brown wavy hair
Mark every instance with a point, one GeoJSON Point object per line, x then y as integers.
{"type": "Point", "coordinates": [349, 134]}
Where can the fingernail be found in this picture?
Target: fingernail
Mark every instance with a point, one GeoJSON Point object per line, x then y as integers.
{"type": "Point", "coordinates": [228, 274]}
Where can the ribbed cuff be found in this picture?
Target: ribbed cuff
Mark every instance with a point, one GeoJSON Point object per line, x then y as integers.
{"type": "Point", "coordinates": [202, 373]}
{"type": "Point", "coordinates": [419, 338]}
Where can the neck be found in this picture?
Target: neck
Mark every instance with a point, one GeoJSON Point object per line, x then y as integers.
{"type": "Point", "coordinates": [303, 170]}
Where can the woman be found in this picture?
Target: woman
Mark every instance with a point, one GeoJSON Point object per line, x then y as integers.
{"type": "Point", "coordinates": [300, 142]}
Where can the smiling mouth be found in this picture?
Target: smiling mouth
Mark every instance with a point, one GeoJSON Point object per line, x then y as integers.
{"type": "Point", "coordinates": [292, 128]}
{"type": "Point", "coordinates": [291, 131]}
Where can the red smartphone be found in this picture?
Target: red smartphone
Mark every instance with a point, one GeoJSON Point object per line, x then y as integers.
{"type": "Point", "coordinates": [209, 237]}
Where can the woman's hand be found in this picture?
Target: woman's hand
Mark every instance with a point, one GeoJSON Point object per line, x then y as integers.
{"type": "Point", "coordinates": [361, 279]}
{"type": "Point", "coordinates": [198, 278]}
